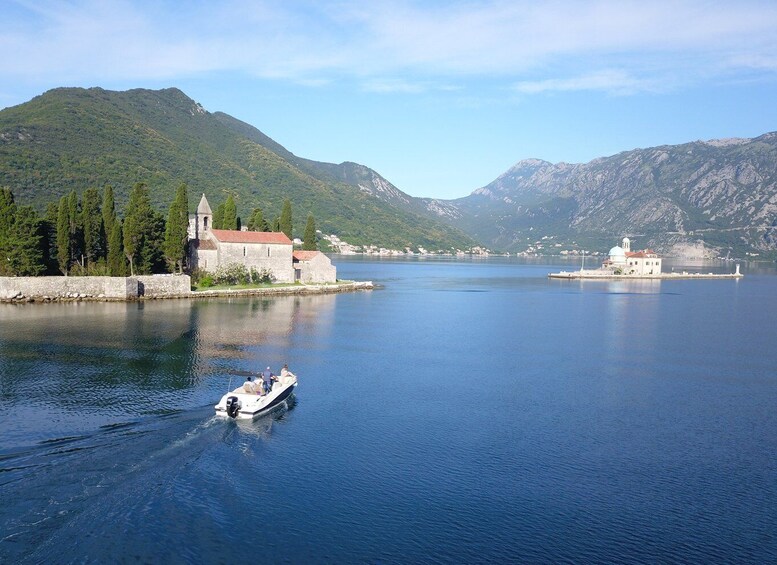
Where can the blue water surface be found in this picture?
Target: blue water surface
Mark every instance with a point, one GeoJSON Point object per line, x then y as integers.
{"type": "Point", "coordinates": [464, 412]}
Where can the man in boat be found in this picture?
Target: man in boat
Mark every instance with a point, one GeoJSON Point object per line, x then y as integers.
{"type": "Point", "coordinates": [268, 378]}
{"type": "Point", "coordinates": [251, 387]}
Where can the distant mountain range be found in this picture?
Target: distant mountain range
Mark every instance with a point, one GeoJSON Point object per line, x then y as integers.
{"type": "Point", "coordinates": [720, 196]}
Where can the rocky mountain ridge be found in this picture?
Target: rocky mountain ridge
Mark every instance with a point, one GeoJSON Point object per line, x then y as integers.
{"type": "Point", "coordinates": [721, 194]}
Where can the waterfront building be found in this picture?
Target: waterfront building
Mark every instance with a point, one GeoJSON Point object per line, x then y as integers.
{"type": "Point", "coordinates": [271, 252]}
{"type": "Point", "coordinates": [622, 260]}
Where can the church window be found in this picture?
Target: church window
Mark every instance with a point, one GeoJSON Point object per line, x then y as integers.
{"type": "Point", "coordinates": [244, 251]}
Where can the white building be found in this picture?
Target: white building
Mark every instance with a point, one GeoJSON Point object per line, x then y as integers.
{"type": "Point", "coordinates": [313, 267]}
{"type": "Point", "coordinates": [271, 252]}
{"type": "Point", "coordinates": [621, 260]}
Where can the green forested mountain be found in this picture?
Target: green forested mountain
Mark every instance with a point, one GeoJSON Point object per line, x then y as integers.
{"type": "Point", "coordinates": [73, 139]}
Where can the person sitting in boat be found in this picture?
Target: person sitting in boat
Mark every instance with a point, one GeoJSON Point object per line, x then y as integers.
{"type": "Point", "coordinates": [250, 386]}
{"type": "Point", "coordinates": [285, 371]}
{"type": "Point", "coordinates": [268, 377]}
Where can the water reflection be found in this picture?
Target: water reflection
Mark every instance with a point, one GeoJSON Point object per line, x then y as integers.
{"type": "Point", "coordinates": [82, 365]}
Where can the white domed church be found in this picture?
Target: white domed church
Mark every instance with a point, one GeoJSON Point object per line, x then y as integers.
{"type": "Point", "coordinates": [623, 261]}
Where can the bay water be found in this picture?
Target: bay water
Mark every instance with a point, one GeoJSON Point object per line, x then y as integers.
{"type": "Point", "coordinates": [467, 411]}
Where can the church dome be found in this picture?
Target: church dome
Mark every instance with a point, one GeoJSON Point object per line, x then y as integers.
{"type": "Point", "coordinates": [617, 255]}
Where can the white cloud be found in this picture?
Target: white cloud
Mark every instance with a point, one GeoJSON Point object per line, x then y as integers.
{"type": "Point", "coordinates": [527, 43]}
{"type": "Point", "coordinates": [614, 82]}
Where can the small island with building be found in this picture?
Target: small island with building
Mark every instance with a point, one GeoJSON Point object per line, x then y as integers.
{"type": "Point", "coordinates": [623, 263]}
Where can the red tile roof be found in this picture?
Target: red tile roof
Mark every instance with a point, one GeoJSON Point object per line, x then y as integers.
{"type": "Point", "coordinates": [234, 236]}
{"type": "Point", "coordinates": [304, 255]}
{"type": "Point", "coordinates": [642, 254]}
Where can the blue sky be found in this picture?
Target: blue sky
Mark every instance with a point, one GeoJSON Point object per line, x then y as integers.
{"type": "Point", "coordinates": [438, 97]}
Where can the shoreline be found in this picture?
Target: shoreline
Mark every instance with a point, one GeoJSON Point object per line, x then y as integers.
{"type": "Point", "coordinates": [21, 295]}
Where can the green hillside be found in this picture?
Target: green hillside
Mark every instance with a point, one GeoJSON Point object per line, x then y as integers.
{"type": "Point", "coordinates": [72, 139]}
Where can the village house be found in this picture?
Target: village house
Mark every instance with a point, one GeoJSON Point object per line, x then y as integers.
{"type": "Point", "coordinates": [271, 252]}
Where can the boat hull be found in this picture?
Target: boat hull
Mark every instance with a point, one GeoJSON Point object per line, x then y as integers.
{"type": "Point", "coordinates": [252, 405]}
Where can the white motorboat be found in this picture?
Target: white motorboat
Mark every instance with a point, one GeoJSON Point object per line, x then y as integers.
{"type": "Point", "coordinates": [246, 402]}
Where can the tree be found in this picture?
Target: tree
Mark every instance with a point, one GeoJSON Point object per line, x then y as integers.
{"type": "Point", "coordinates": [74, 226]}
{"type": "Point", "coordinates": [63, 237]}
{"type": "Point", "coordinates": [177, 230]}
{"type": "Point", "coordinates": [49, 241]}
{"type": "Point", "coordinates": [257, 221]}
{"type": "Point", "coordinates": [229, 221]}
{"type": "Point", "coordinates": [116, 264]}
{"type": "Point", "coordinates": [109, 209]}
{"type": "Point", "coordinates": [7, 210]}
{"type": "Point", "coordinates": [152, 256]}
{"type": "Point", "coordinates": [309, 239]}
{"type": "Point", "coordinates": [218, 217]}
{"type": "Point", "coordinates": [276, 225]}
{"type": "Point", "coordinates": [23, 257]}
{"type": "Point", "coordinates": [142, 242]}
{"type": "Point", "coordinates": [92, 225]}
{"type": "Point", "coordinates": [285, 220]}
{"type": "Point", "coordinates": [21, 253]}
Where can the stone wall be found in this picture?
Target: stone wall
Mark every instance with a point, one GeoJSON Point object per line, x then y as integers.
{"type": "Point", "coordinates": [319, 269]}
{"type": "Point", "coordinates": [119, 288]}
{"type": "Point", "coordinates": [153, 286]}
{"type": "Point", "coordinates": [275, 258]}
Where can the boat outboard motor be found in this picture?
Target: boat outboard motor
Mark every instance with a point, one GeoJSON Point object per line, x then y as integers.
{"type": "Point", "coordinates": [233, 406]}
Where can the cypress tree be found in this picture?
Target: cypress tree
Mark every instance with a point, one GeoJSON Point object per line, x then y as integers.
{"type": "Point", "coordinates": [276, 225]}
{"type": "Point", "coordinates": [116, 265]}
{"type": "Point", "coordinates": [25, 255]}
{"type": "Point", "coordinates": [229, 221]}
{"type": "Point", "coordinates": [152, 256]}
{"type": "Point", "coordinates": [49, 242]}
{"type": "Point", "coordinates": [218, 217]}
{"type": "Point", "coordinates": [285, 220]}
{"type": "Point", "coordinates": [109, 209]}
{"type": "Point", "coordinates": [7, 221]}
{"type": "Point", "coordinates": [257, 221]}
{"type": "Point", "coordinates": [75, 227]}
{"type": "Point", "coordinates": [7, 210]}
{"type": "Point", "coordinates": [91, 221]}
{"type": "Point", "coordinates": [309, 239]}
{"type": "Point", "coordinates": [134, 219]}
{"type": "Point", "coordinates": [144, 233]}
{"type": "Point", "coordinates": [63, 237]}
{"type": "Point", "coordinates": [176, 230]}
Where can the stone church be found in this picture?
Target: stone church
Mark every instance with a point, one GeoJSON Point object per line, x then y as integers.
{"type": "Point", "coordinates": [264, 251]}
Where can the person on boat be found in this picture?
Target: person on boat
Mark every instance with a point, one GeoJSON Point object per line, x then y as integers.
{"type": "Point", "coordinates": [285, 371]}
{"type": "Point", "coordinates": [250, 386]}
{"type": "Point", "coordinates": [268, 377]}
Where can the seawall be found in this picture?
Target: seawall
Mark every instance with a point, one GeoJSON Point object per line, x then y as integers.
{"type": "Point", "coordinates": [287, 290]}
{"type": "Point", "coordinates": [56, 289]}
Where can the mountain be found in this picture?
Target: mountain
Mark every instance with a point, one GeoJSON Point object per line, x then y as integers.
{"type": "Point", "coordinates": [74, 138]}
{"type": "Point", "coordinates": [719, 194]}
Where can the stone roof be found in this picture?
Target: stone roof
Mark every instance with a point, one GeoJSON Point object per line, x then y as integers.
{"type": "Point", "coordinates": [234, 236]}
{"type": "Point", "coordinates": [204, 207]}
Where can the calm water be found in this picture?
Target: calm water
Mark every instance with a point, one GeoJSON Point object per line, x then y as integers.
{"type": "Point", "coordinates": [468, 412]}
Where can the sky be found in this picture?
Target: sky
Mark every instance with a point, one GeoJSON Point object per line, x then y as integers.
{"type": "Point", "coordinates": [438, 97]}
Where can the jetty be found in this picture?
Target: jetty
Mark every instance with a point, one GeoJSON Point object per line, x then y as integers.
{"type": "Point", "coordinates": [609, 275]}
